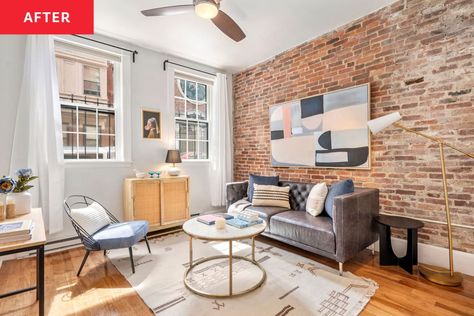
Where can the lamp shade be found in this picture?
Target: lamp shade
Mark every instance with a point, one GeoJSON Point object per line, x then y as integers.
{"type": "Point", "coordinates": [173, 156]}
{"type": "Point", "coordinates": [378, 124]}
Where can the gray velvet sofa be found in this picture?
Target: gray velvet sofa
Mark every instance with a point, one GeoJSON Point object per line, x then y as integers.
{"type": "Point", "coordinates": [351, 230]}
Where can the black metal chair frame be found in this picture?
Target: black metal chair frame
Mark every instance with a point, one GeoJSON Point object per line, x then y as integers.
{"type": "Point", "coordinates": [87, 240]}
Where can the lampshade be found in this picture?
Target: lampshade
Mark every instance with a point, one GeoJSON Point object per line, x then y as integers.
{"type": "Point", "coordinates": [378, 124]}
{"type": "Point", "coordinates": [206, 9]}
{"type": "Point", "coordinates": [173, 156]}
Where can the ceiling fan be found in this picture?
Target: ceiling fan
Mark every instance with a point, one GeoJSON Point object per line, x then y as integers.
{"type": "Point", "coordinates": [206, 9]}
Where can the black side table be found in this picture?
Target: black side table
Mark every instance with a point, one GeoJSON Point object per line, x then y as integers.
{"type": "Point", "coordinates": [387, 256]}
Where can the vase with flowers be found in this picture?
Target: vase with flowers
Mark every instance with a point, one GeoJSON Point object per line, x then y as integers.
{"type": "Point", "coordinates": [7, 184]}
{"type": "Point", "coordinates": [20, 194]}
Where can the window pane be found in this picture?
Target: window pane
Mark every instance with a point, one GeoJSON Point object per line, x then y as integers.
{"type": "Point", "coordinates": [192, 150]}
{"type": "Point", "coordinates": [179, 88]}
{"type": "Point", "coordinates": [70, 145]}
{"type": "Point", "coordinates": [180, 129]}
{"type": "Point", "coordinates": [202, 111]}
{"type": "Point", "coordinates": [191, 90]}
{"type": "Point", "coordinates": [203, 150]}
{"type": "Point", "coordinates": [87, 146]}
{"type": "Point", "coordinates": [203, 131]}
{"type": "Point", "coordinates": [181, 145]}
{"type": "Point", "coordinates": [106, 123]}
{"type": "Point", "coordinates": [106, 147]}
{"type": "Point", "coordinates": [179, 108]}
{"type": "Point", "coordinates": [87, 123]}
{"type": "Point", "coordinates": [192, 130]}
{"type": "Point", "coordinates": [202, 92]}
{"type": "Point", "coordinates": [68, 117]}
{"type": "Point", "coordinates": [190, 109]}
{"type": "Point", "coordinates": [91, 81]}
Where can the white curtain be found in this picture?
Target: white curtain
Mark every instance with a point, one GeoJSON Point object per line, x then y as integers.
{"type": "Point", "coordinates": [220, 147]}
{"type": "Point", "coordinates": [37, 142]}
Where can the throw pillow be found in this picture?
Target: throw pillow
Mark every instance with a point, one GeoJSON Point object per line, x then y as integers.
{"type": "Point", "coordinates": [91, 218]}
{"type": "Point", "coordinates": [336, 189]}
{"type": "Point", "coordinates": [255, 179]}
{"type": "Point", "coordinates": [316, 198]}
{"type": "Point", "coordinates": [271, 195]}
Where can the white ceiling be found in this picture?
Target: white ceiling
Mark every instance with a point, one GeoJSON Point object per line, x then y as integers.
{"type": "Point", "coordinates": [272, 26]}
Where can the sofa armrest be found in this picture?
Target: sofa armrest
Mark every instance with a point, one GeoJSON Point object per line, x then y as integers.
{"type": "Point", "coordinates": [236, 191]}
{"type": "Point", "coordinates": [353, 222]}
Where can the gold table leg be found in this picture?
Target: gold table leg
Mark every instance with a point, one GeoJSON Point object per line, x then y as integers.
{"type": "Point", "coordinates": [253, 248]}
{"type": "Point", "coordinates": [190, 251]}
{"type": "Point", "coordinates": [230, 267]}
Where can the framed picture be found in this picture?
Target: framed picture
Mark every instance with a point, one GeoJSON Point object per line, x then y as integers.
{"type": "Point", "coordinates": [323, 131]}
{"type": "Point", "coordinates": [151, 124]}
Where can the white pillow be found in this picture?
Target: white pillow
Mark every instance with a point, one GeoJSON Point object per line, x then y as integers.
{"type": "Point", "coordinates": [91, 218]}
{"type": "Point", "coordinates": [271, 195]}
{"type": "Point", "coordinates": [316, 198]}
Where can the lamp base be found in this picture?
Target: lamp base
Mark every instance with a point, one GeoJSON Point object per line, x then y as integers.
{"type": "Point", "coordinates": [439, 275]}
{"type": "Point", "coordinates": [173, 171]}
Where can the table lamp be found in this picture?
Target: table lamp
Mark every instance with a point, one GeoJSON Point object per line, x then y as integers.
{"type": "Point", "coordinates": [173, 156]}
{"type": "Point", "coordinates": [434, 274]}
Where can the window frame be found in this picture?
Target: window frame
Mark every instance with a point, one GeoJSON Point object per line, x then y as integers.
{"type": "Point", "coordinates": [121, 106]}
{"type": "Point", "coordinates": [209, 86]}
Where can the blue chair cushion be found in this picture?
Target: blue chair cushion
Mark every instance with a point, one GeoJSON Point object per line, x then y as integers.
{"type": "Point", "coordinates": [120, 235]}
{"type": "Point", "coordinates": [336, 189]}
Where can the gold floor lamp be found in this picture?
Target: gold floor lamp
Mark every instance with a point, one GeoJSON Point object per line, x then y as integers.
{"type": "Point", "coordinates": [434, 274]}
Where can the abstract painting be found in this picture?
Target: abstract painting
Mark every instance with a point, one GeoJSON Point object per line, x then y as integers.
{"type": "Point", "coordinates": [323, 131]}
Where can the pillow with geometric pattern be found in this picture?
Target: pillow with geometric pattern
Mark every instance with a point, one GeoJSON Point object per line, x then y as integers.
{"type": "Point", "coordinates": [271, 195]}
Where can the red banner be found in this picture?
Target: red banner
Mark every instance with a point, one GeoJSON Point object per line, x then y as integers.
{"type": "Point", "coordinates": [47, 17]}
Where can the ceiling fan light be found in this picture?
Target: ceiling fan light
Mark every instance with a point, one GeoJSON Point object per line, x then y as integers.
{"type": "Point", "coordinates": [206, 9]}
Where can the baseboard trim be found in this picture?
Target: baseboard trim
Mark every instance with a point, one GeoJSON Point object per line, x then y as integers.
{"type": "Point", "coordinates": [435, 255]}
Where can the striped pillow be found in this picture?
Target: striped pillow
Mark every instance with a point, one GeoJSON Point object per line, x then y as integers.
{"type": "Point", "coordinates": [271, 195]}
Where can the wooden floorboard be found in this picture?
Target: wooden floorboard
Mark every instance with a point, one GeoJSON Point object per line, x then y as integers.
{"type": "Point", "coordinates": [102, 290]}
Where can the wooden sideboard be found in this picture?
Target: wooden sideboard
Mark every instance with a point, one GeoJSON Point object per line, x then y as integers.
{"type": "Point", "coordinates": [163, 202]}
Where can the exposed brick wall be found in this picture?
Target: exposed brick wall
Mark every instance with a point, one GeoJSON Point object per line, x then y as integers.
{"type": "Point", "coordinates": [418, 57]}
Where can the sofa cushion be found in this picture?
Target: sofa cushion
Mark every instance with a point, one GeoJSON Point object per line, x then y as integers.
{"type": "Point", "coordinates": [336, 189]}
{"type": "Point", "coordinates": [268, 180]}
{"type": "Point", "coordinates": [266, 212]}
{"type": "Point", "coordinates": [316, 199]}
{"type": "Point", "coordinates": [300, 226]}
{"type": "Point", "coordinates": [270, 195]}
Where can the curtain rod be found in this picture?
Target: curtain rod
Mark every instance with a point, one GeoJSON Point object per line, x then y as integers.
{"type": "Point", "coordinates": [134, 52]}
{"type": "Point", "coordinates": [184, 66]}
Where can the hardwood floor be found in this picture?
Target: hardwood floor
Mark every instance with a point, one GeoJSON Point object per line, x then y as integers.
{"type": "Point", "coordinates": [102, 290]}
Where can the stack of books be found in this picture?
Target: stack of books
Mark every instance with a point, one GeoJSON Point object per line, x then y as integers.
{"type": "Point", "coordinates": [15, 231]}
{"type": "Point", "coordinates": [245, 218]}
{"type": "Point", "coordinates": [210, 219]}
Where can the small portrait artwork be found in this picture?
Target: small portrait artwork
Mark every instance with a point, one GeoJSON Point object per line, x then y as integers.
{"type": "Point", "coordinates": [151, 124]}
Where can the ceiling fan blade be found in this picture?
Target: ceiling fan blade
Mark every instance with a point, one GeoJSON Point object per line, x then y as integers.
{"type": "Point", "coordinates": [228, 26]}
{"type": "Point", "coordinates": [172, 10]}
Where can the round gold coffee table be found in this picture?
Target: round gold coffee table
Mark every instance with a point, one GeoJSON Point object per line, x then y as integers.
{"type": "Point", "coordinates": [197, 230]}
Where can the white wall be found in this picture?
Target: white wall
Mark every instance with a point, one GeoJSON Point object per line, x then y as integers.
{"type": "Point", "coordinates": [148, 88]}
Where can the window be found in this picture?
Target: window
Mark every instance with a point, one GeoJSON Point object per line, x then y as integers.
{"type": "Point", "coordinates": [88, 83]}
{"type": "Point", "coordinates": [191, 103]}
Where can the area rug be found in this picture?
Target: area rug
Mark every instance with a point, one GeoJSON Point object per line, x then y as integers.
{"type": "Point", "coordinates": [294, 285]}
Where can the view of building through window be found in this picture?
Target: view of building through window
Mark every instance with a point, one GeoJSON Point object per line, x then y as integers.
{"type": "Point", "coordinates": [192, 118]}
{"type": "Point", "coordinates": [87, 89]}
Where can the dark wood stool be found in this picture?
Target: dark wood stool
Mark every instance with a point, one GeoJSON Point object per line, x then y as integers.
{"type": "Point", "coordinates": [387, 256]}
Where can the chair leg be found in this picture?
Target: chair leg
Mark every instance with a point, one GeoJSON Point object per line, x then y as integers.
{"type": "Point", "coordinates": [147, 244]}
{"type": "Point", "coordinates": [131, 259]}
{"type": "Point", "coordinates": [105, 252]}
{"type": "Point", "coordinates": [83, 262]}
{"type": "Point", "coordinates": [341, 270]}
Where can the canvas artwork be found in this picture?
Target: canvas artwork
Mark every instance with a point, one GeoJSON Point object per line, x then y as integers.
{"type": "Point", "coordinates": [324, 131]}
{"type": "Point", "coordinates": [151, 124]}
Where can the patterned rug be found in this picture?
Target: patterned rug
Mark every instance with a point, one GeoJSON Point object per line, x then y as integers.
{"type": "Point", "coordinates": [294, 285]}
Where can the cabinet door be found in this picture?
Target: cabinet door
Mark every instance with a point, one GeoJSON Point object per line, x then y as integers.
{"type": "Point", "coordinates": [174, 195]}
{"type": "Point", "coordinates": [146, 201]}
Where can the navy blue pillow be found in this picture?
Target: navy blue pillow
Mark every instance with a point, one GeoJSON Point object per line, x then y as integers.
{"type": "Point", "coordinates": [336, 189]}
{"type": "Point", "coordinates": [253, 178]}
